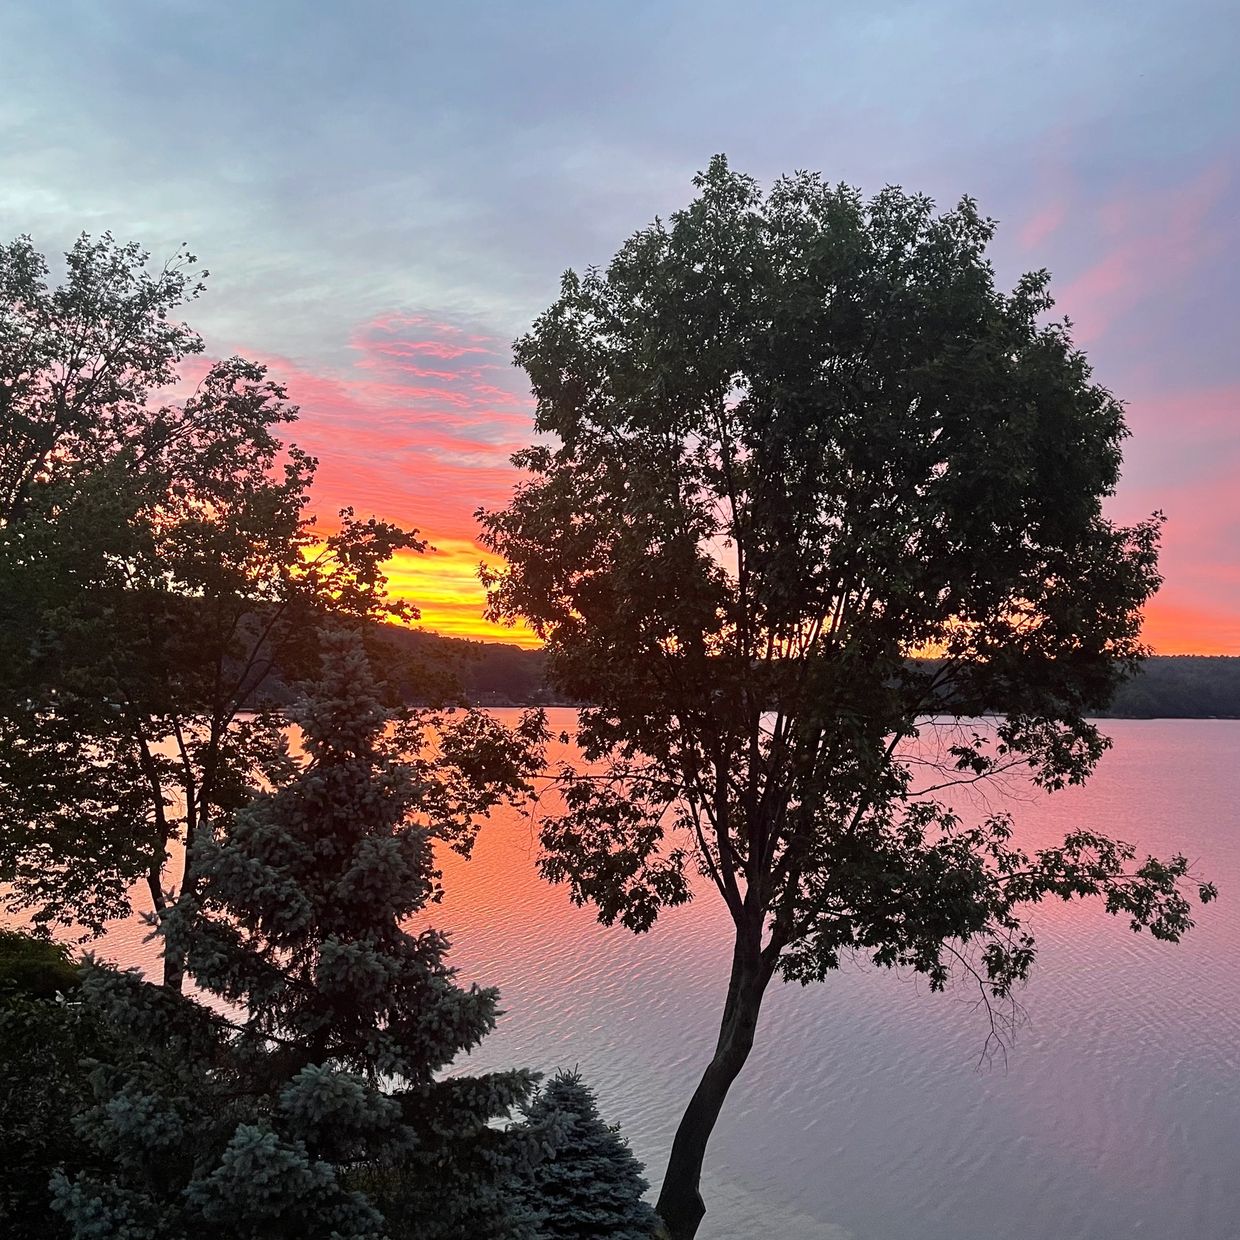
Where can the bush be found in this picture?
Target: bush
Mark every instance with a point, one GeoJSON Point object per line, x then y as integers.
{"type": "Point", "coordinates": [34, 966]}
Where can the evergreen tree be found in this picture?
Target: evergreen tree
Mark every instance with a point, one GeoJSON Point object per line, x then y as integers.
{"type": "Point", "coordinates": [319, 1110]}
{"type": "Point", "coordinates": [591, 1186]}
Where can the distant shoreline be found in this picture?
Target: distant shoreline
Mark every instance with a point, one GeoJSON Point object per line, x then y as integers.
{"type": "Point", "coordinates": [1177, 686]}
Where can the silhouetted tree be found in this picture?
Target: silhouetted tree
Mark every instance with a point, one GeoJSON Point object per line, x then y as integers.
{"type": "Point", "coordinates": [792, 440]}
{"type": "Point", "coordinates": [316, 1111]}
{"type": "Point", "coordinates": [156, 566]}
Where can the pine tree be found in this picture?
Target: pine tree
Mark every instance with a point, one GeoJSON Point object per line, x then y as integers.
{"type": "Point", "coordinates": [318, 1112]}
{"type": "Point", "coordinates": [591, 1186]}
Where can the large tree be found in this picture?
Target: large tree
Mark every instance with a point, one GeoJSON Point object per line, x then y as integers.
{"type": "Point", "coordinates": [159, 575]}
{"type": "Point", "coordinates": [812, 495]}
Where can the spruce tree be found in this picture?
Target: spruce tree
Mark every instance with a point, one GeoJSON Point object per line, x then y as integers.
{"type": "Point", "coordinates": [317, 1112]}
{"type": "Point", "coordinates": [590, 1187]}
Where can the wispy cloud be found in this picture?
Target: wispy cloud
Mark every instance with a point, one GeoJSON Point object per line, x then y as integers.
{"type": "Point", "coordinates": [1149, 243]}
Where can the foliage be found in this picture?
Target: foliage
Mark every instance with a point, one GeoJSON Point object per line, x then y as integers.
{"type": "Point", "coordinates": [318, 1110]}
{"type": "Point", "coordinates": [34, 966]}
{"type": "Point", "coordinates": [43, 1042]}
{"type": "Point", "coordinates": [183, 1139]}
{"type": "Point", "coordinates": [156, 564]}
{"type": "Point", "coordinates": [591, 1186]}
{"type": "Point", "coordinates": [794, 440]}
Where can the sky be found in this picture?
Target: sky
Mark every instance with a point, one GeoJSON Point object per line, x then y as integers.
{"type": "Point", "coordinates": [386, 194]}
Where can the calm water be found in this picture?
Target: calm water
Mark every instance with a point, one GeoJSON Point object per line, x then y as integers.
{"type": "Point", "coordinates": [862, 1114]}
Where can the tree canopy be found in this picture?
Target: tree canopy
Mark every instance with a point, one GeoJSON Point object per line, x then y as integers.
{"type": "Point", "coordinates": [789, 442]}
{"type": "Point", "coordinates": [157, 562]}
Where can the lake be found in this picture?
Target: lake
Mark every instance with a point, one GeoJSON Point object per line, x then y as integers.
{"type": "Point", "coordinates": [863, 1113]}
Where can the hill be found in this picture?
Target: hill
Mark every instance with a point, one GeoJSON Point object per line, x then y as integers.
{"type": "Point", "coordinates": [484, 673]}
{"type": "Point", "coordinates": [1183, 686]}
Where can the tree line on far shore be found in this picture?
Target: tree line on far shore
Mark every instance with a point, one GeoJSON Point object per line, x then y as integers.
{"type": "Point", "coordinates": [1184, 686]}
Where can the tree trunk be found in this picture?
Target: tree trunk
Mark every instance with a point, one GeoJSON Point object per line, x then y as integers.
{"type": "Point", "coordinates": [174, 969]}
{"type": "Point", "coordinates": [680, 1200]}
{"type": "Point", "coordinates": [174, 961]}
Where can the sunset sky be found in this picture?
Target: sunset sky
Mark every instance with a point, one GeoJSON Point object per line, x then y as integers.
{"type": "Point", "coordinates": [387, 193]}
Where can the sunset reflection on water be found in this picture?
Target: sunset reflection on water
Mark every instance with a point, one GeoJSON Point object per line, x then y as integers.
{"type": "Point", "coordinates": [862, 1112]}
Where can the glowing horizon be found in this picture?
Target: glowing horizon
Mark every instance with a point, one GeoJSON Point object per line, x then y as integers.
{"type": "Point", "coordinates": [419, 429]}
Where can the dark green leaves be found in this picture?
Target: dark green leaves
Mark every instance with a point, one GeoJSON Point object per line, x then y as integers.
{"type": "Point", "coordinates": [314, 1107]}
{"type": "Point", "coordinates": [606, 846]}
{"type": "Point", "coordinates": [815, 495]}
{"type": "Point", "coordinates": [160, 574]}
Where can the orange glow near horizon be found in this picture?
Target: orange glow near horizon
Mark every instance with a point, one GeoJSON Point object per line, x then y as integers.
{"type": "Point", "coordinates": [443, 584]}
{"type": "Point", "coordinates": [1171, 629]}
{"type": "Point", "coordinates": [417, 430]}
{"type": "Point", "coordinates": [420, 426]}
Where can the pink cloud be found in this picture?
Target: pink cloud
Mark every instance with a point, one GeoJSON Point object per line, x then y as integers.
{"type": "Point", "coordinates": [1201, 410]}
{"type": "Point", "coordinates": [438, 348]}
{"type": "Point", "coordinates": [420, 445]}
{"type": "Point", "coordinates": [1200, 557]}
{"type": "Point", "coordinates": [1148, 243]}
{"type": "Point", "coordinates": [1042, 224]}
{"type": "Point", "coordinates": [1092, 297]}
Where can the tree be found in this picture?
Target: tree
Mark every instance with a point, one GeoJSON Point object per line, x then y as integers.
{"type": "Point", "coordinates": [43, 1040]}
{"type": "Point", "coordinates": [159, 575]}
{"type": "Point", "coordinates": [814, 495]}
{"type": "Point", "coordinates": [591, 1186]}
{"type": "Point", "coordinates": [317, 1112]}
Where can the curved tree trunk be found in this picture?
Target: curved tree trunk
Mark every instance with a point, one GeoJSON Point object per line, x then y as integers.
{"type": "Point", "coordinates": [174, 967]}
{"type": "Point", "coordinates": [680, 1200]}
